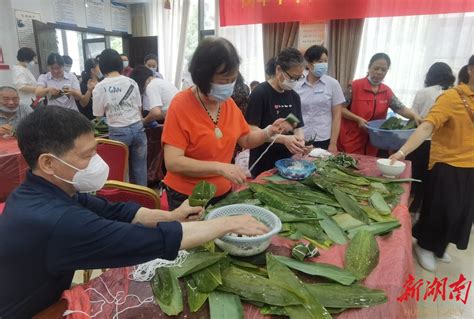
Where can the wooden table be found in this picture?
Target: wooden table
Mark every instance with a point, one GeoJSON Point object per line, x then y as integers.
{"type": "Point", "coordinates": [12, 167]}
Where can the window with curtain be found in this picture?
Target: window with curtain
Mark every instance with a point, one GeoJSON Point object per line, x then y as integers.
{"type": "Point", "coordinates": [414, 43]}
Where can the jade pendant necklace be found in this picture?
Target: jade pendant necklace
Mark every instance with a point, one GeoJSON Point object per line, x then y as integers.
{"type": "Point", "coordinates": [217, 130]}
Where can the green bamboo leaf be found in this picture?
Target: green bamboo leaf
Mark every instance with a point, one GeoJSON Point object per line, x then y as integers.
{"type": "Point", "coordinates": [376, 215]}
{"type": "Point", "coordinates": [196, 299]}
{"type": "Point", "coordinates": [319, 269]}
{"type": "Point", "coordinates": [225, 305]}
{"type": "Point", "coordinates": [257, 288]}
{"type": "Point", "coordinates": [350, 206]}
{"type": "Point", "coordinates": [311, 308]}
{"type": "Point", "coordinates": [375, 228]}
{"type": "Point", "coordinates": [362, 254]}
{"type": "Point", "coordinates": [346, 221]}
{"type": "Point", "coordinates": [197, 261]}
{"type": "Point", "coordinates": [354, 296]}
{"type": "Point", "coordinates": [331, 228]}
{"type": "Point", "coordinates": [202, 193]}
{"type": "Point", "coordinates": [208, 279]}
{"type": "Point", "coordinates": [377, 202]}
{"type": "Point", "coordinates": [273, 310]}
{"type": "Point", "coordinates": [167, 291]}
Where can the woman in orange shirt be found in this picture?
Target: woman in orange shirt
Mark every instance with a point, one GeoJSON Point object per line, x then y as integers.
{"type": "Point", "coordinates": [447, 211]}
{"type": "Point", "coordinates": [203, 126]}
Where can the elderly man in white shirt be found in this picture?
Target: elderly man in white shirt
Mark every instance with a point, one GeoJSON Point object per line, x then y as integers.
{"type": "Point", "coordinates": [321, 101]}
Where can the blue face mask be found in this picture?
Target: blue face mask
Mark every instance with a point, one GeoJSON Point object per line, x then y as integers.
{"type": "Point", "coordinates": [320, 69]}
{"type": "Point", "coordinates": [222, 92]}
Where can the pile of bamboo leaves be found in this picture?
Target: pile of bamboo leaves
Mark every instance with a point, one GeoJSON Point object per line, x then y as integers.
{"type": "Point", "coordinates": [226, 282]}
{"type": "Point", "coordinates": [330, 206]}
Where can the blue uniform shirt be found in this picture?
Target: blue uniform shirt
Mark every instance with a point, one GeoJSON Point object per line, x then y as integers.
{"type": "Point", "coordinates": [45, 235]}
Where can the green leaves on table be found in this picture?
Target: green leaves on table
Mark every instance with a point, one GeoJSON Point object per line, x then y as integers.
{"type": "Point", "coordinates": [319, 269]}
{"type": "Point", "coordinates": [202, 193]}
{"type": "Point", "coordinates": [167, 292]}
{"type": "Point", "coordinates": [196, 299]}
{"type": "Point", "coordinates": [350, 206]}
{"type": "Point", "coordinates": [362, 254]}
{"type": "Point", "coordinates": [224, 305]}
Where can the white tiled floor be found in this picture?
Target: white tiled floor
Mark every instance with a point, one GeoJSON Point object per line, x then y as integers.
{"type": "Point", "coordinates": [463, 263]}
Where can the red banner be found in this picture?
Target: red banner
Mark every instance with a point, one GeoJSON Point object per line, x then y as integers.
{"type": "Point", "coordinates": [237, 12]}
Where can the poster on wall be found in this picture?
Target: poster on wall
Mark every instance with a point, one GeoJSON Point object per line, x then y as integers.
{"type": "Point", "coordinates": [95, 11]}
{"type": "Point", "coordinates": [24, 27]}
{"type": "Point", "coordinates": [64, 11]}
{"type": "Point", "coordinates": [309, 34]}
{"type": "Point", "coordinates": [120, 17]}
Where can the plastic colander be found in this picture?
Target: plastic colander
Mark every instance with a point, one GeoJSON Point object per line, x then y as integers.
{"type": "Point", "coordinates": [246, 245]}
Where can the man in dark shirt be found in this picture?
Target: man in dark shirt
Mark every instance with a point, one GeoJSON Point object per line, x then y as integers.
{"type": "Point", "coordinates": [48, 229]}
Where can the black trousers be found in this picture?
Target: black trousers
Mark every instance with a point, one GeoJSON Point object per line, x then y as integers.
{"type": "Point", "coordinates": [322, 144]}
{"type": "Point", "coordinates": [448, 209]}
{"type": "Point", "coordinates": [175, 198]}
{"type": "Point", "coordinates": [419, 159]}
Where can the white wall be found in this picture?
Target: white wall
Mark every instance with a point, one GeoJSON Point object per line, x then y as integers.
{"type": "Point", "coordinates": [8, 34]}
{"type": "Point", "coordinates": [8, 40]}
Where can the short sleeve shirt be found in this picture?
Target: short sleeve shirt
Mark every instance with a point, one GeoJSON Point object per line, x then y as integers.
{"type": "Point", "coordinates": [69, 79]}
{"type": "Point", "coordinates": [189, 128]}
{"type": "Point", "coordinates": [453, 135]}
{"type": "Point", "coordinates": [266, 105]}
{"type": "Point", "coordinates": [159, 93]}
{"type": "Point", "coordinates": [118, 98]}
{"type": "Point", "coordinates": [317, 102]}
{"type": "Point", "coordinates": [23, 77]}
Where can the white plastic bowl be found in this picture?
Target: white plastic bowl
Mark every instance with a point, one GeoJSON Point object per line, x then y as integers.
{"type": "Point", "coordinates": [246, 246]}
{"type": "Point", "coordinates": [388, 170]}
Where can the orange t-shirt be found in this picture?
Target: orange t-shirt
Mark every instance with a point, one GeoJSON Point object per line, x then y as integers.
{"type": "Point", "coordinates": [189, 127]}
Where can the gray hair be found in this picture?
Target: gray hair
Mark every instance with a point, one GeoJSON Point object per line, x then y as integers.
{"type": "Point", "coordinates": [6, 88]}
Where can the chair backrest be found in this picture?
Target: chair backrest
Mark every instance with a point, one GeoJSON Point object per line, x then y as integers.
{"type": "Point", "coordinates": [117, 191]}
{"type": "Point", "coordinates": [115, 154]}
{"type": "Point", "coordinates": [2, 206]}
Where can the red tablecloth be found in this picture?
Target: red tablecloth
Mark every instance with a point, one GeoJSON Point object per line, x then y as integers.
{"type": "Point", "coordinates": [395, 264]}
{"type": "Point", "coordinates": [12, 167]}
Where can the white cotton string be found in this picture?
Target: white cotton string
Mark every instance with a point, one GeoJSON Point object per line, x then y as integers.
{"type": "Point", "coordinates": [146, 271]}
{"type": "Point", "coordinates": [258, 159]}
{"type": "Point", "coordinates": [118, 300]}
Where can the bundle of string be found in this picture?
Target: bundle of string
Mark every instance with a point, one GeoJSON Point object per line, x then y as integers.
{"type": "Point", "coordinates": [261, 155]}
{"type": "Point", "coordinates": [146, 271]}
{"type": "Point", "coordinates": [141, 273]}
{"type": "Point", "coordinates": [118, 300]}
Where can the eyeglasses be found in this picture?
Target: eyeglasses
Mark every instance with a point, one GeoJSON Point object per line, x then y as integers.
{"type": "Point", "coordinates": [292, 78]}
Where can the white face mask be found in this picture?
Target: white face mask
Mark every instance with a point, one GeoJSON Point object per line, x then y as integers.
{"type": "Point", "coordinates": [67, 69]}
{"type": "Point", "coordinates": [288, 84]}
{"type": "Point", "coordinates": [31, 64]}
{"type": "Point", "coordinates": [90, 179]}
{"type": "Point", "coordinates": [7, 109]}
{"type": "Point", "coordinates": [125, 64]}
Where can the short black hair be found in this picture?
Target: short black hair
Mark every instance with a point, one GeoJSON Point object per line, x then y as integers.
{"type": "Point", "coordinates": [51, 129]}
{"type": "Point", "coordinates": [110, 61]}
{"type": "Point", "coordinates": [86, 74]}
{"type": "Point", "coordinates": [55, 58]}
{"type": "Point", "coordinates": [123, 54]}
{"type": "Point", "coordinates": [378, 56]}
{"type": "Point", "coordinates": [463, 75]}
{"type": "Point", "coordinates": [140, 74]}
{"type": "Point", "coordinates": [150, 56]}
{"type": "Point", "coordinates": [67, 59]}
{"type": "Point", "coordinates": [440, 74]}
{"type": "Point", "coordinates": [471, 60]}
{"type": "Point", "coordinates": [25, 55]}
{"type": "Point", "coordinates": [212, 55]}
{"type": "Point", "coordinates": [254, 83]}
{"type": "Point", "coordinates": [314, 53]}
{"type": "Point", "coordinates": [286, 59]}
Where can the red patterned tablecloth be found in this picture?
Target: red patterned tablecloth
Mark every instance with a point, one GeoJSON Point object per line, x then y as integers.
{"type": "Point", "coordinates": [395, 264]}
{"type": "Point", "coordinates": [12, 167]}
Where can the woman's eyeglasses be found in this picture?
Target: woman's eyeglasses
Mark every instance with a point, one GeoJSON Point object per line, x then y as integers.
{"type": "Point", "coordinates": [292, 78]}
